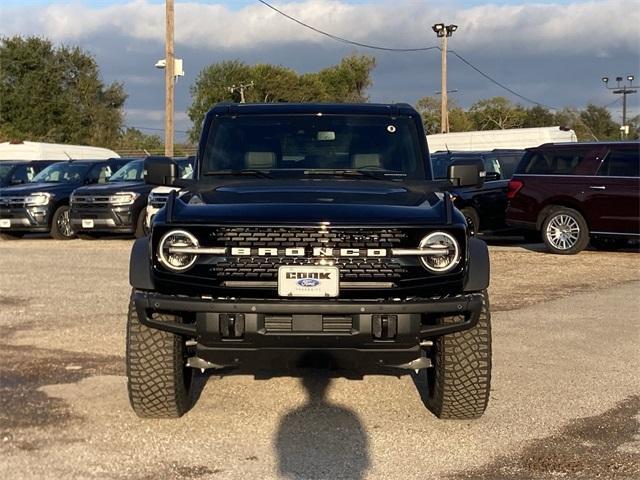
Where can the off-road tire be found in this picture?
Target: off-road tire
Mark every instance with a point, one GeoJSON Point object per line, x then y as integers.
{"type": "Point", "coordinates": [583, 235]}
{"type": "Point", "coordinates": [158, 380]}
{"type": "Point", "coordinates": [11, 235]}
{"type": "Point", "coordinates": [56, 233]}
{"type": "Point", "coordinates": [457, 385]}
{"type": "Point", "coordinates": [472, 218]}
{"type": "Point", "coordinates": [141, 224]}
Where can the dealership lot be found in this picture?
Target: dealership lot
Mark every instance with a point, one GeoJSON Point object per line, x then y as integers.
{"type": "Point", "coordinates": [564, 395]}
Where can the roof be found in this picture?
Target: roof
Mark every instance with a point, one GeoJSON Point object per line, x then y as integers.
{"type": "Point", "coordinates": [625, 143]}
{"type": "Point", "coordinates": [313, 108]}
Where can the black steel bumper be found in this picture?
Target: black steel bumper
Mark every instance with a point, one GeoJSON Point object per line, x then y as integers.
{"type": "Point", "coordinates": [279, 331]}
{"type": "Point", "coordinates": [27, 219]}
{"type": "Point", "coordinates": [120, 219]}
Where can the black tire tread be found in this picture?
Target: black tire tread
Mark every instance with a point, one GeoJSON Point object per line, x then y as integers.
{"type": "Point", "coordinates": [155, 370]}
{"type": "Point", "coordinates": [55, 233]}
{"type": "Point", "coordinates": [461, 379]}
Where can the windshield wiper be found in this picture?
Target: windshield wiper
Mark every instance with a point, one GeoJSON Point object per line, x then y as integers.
{"type": "Point", "coordinates": [244, 171]}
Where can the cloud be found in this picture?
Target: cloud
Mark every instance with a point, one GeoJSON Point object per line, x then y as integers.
{"type": "Point", "coordinates": [574, 27]}
{"type": "Point", "coordinates": [555, 53]}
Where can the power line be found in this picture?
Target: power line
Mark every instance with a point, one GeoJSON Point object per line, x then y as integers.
{"type": "Point", "coordinates": [347, 41]}
{"type": "Point", "coordinates": [420, 49]}
{"type": "Point", "coordinates": [501, 85]}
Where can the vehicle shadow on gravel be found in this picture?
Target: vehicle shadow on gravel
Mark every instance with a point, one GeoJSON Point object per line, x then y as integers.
{"type": "Point", "coordinates": [321, 439]}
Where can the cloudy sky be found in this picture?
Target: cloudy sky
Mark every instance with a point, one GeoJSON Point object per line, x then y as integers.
{"type": "Point", "coordinates": [554, 52]}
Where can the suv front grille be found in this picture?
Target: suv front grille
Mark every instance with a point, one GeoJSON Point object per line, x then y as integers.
{"type": "Point", "coordinates": [280, 237]}
{"type": "Point", "coordinates": [158, 200]}
{"type": "Point", "coordinates": [12, 202]}
{"type": "Point", "coordinates": [90, 201]}
{"type": "Point", "coordinates": [265, 268]}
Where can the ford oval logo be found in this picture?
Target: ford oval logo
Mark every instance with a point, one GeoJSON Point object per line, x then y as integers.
{"type": "Point", "coordinates": [308, 282]}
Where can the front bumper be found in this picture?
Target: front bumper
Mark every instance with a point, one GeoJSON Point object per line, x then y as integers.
{"type": "Point", "coordinates": [119, 219]}
{"type": "Point", "coordinates": [279, 332]}
{"type": "Point", "coordinates": [26, 219]}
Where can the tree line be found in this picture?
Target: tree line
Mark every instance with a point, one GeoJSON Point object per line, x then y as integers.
{"type": "Point", "coordinates": [56, 94]}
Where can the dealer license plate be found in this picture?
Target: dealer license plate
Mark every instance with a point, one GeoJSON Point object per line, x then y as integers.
{"type": "Point", "coordinates": [87, 223]}
{"type": "Point", "coordinates": [308, 281]}
{"type": "Point", "coordinates": [5, 223]}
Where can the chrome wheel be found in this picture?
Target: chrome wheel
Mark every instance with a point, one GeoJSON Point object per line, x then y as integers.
{"type": "Point", "coordinates": [64, 224]}
{"type": "Point", "coordinates": [563, 232]}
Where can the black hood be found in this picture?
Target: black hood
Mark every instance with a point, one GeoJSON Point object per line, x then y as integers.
{"type": "Point", "coordinates": [312, 201]}
{"type": "Point", "coordinates": [56, 189]}
{"type": "Point", "coordinates": [110, 188]}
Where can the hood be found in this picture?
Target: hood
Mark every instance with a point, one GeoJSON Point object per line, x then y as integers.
{"type": "Point", "coordinates": [109, 188]}
{"type": "Point", "coordinates": [311, 201]}
{"type": "Point", "coordinates": [59, 189]}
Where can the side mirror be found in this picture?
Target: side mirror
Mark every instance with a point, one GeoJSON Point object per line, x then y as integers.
{"type": "Point", "coordinates": [160, 171]}
{"type": "Point", "coordinates": [466, 173]}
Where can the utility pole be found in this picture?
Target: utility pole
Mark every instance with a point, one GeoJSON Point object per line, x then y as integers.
{"type": "Point", "coordinates": [240, 88]}
{"type": "Point", "coordinates": [623, 90]}
{"type": "Point", "coordinates": [169, 79]}
{"type": "Point", "coordinates": [443, 32]}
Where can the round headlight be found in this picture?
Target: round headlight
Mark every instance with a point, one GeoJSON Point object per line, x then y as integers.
{"type": "Point", "coordinates": [440, 262]}
{"type": "Point", "coordinates": [173, 260]}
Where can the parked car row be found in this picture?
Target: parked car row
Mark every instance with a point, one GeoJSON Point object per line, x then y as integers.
{"type": "Point", "coordinates": [565, 194]}
{"type": "Point", "coordinates": [75, 197]}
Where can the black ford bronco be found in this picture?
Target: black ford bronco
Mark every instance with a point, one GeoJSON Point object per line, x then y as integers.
{"type": "Point", "coordinates": [310, 228]}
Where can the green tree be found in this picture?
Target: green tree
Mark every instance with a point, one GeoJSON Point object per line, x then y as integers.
{"type": "Point", "coordinates": [133, 140]}
{"type": "Point", "coordinates": [429, 109]}
{"type": "Point", "coordinates": [538, 116]}
{"type": "Point", "coordinates": [599, 121]}
{"type": "Point", "coordinates": [497, 113]}
{"type": "Point", "coordinates": [346, 82]}
{"type": "Point", "coordinates": [55, 94]}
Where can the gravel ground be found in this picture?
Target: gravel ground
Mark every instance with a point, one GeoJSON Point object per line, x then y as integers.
{"type": "Point", "coordinates": [564, 396]}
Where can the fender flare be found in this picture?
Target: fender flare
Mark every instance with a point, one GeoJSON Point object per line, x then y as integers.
{"type": "Point", "coordinates": [140, 265]}
{"type": "Point", "coordinates": [479, 267]}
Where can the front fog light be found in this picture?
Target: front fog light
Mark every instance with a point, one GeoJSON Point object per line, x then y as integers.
{"type": "Point", "coordinates": [440, 262]}
{"type": "Point", "coordinates": [169, 254]}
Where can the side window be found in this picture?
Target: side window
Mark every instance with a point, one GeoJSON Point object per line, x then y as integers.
{"type": "Point", "coordinates": [621, 163]}
{"type": "Point", "coordinates": [554, 163]}
{"type": "Point", "coordinates": [99, 173]}
{"type": "Point", "coordinates": [22, 174]}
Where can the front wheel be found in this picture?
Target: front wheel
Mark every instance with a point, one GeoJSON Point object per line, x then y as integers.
{"type": "Point", "coordinates": [158, 379]}
{"type": "Point", "coordinates": [565, 231]}
{"type": "Point", "coordinates": [142, 229]}
{"type": "Point", "coordinates": [472, 218]}
{"type": "Point", "coordinates": [458, 383]}
{"type": "Point", "coordinates": [61, 224]}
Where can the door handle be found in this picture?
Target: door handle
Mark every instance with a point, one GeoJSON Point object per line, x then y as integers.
{"type": "Point", "coordinates": [598, 187]}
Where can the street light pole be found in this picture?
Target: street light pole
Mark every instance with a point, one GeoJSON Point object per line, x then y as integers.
{"type": "Point", "coordinates": [169, 80]}
{"type": "Point", "coordinates": [623, 90]}
{"type": "Point", "coordinates": [443, 32]}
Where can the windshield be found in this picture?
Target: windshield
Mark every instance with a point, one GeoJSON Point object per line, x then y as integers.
{"type": "Point", "coordinates": [313, 144]}
{"type": "Point", "coordinates": [63, 172]}
{"type": "Point", "coordinates": [131, 172]}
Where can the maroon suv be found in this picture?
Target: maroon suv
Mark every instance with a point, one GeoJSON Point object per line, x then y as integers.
{"type": "Point", "coordinates": [573, 193]}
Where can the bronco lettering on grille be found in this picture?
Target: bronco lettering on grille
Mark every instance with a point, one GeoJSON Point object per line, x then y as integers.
{"type": "Point", "coordinates": [301, 252]}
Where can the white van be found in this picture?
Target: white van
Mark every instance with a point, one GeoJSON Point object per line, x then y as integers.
{"type": "Point", "coordinates": [511, 138]}
{"type": "Point", "coordinates": [53, 151]}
